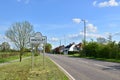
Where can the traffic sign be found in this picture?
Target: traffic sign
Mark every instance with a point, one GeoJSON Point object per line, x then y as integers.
{"type": "Point", "coordinates": [38, 39]}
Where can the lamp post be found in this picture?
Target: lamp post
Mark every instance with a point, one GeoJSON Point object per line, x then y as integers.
{"type": "Point", "coordinates": [84, 30]}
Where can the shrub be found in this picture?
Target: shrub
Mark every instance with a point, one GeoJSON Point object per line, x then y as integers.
{"type": "Point", "coordinates": [91, 49]}
{"type": "Point", "coordinates": [72, 52]}
{"type": "Point", "coordinates": [94, 49]}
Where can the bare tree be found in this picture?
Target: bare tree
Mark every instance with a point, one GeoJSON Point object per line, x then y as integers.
{"type": "Point", "coordinates": [19, 34]}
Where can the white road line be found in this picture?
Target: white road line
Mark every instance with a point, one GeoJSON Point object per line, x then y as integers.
{"type": "Point", "coordinates": [102, 66]}
{"type": "Point", "coordinates": [68, 75]}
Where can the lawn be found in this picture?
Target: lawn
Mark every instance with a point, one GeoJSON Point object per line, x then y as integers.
{"type": "Point", "coordinates": [22, 70]}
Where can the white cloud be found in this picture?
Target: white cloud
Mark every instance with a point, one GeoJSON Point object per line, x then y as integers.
{"type": "Point", "coordinates": [116, 34]}
{"type": "Point", "coordinates": [81, 34]}
{"type": "Point", "coordinates": [94, 3]}
{"type": "Point", "coordinates": [112, 34]}
{"type": "Point", "coordinates": [4, 39]}
{"type": "Point", "coordinates": [54, 39]}
{"type": "Point", "coordinates": [110, 3]}
{"type": "Point", "coordinates": [91, 35]}
{"type": "Point", "coordinates": [76, 20]}
{"type": "Point", "coordinates": [91, 28]}
{"type": "Point", "coordinates": [74, 36]}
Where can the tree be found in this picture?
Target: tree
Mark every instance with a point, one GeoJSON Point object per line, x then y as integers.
{"type": "Point", "coordinates": [101, 40]}
{"type": "Point", "coordinates": [19, 34]}
{"type": "Point", "coordinates": [5, 46]}
{"type": "Point", "coordinates": [119, 44]}
{"type": "Point", "coordinates": [48, 47]}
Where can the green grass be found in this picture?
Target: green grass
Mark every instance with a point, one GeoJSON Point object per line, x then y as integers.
{"type": "Point", "coordinates": [74, 55]}
{"type": "Point", "coordinates": [101, 59]}
{"type": "Point", "coordinates": [109, 60]}
{"type": "Point", "coordinates": [22, 70]}
{"type": "Point", "coordinates": [10, 58]}
{"type": "Point", "coordinates": [2, 60]}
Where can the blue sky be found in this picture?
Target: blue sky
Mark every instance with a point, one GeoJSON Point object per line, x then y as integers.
{"type": "Point", "coordinates": [61, 19]}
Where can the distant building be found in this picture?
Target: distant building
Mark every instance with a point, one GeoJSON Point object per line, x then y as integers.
{"type": "Point", "coordinates": [72, 47]}
{"type": "Point", "coordinates": [58, 49]}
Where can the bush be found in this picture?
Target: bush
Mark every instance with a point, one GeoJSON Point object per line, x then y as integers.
{"type": "Point", "coordinates": [94, 49]}
{"type": "Point", "coordinates": [104, 52]}
{"type": "Point", "coordinates": [72, 52]}
{"type": "Point", "coordinates": [8, 54]}
{"type": "Point", "coordinates": [91, 49]}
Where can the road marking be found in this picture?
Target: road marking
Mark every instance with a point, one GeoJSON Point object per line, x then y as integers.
{"type": "Point", "coordinates": [68, 75]}
{"type": "Point", "coordinates": [103, 66]}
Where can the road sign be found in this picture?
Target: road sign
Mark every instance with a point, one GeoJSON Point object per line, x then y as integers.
{"type": "Point", "coordinates": [38, 39]}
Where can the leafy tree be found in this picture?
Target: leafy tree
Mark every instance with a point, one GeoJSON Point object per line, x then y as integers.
{"type": "Point", "coordinates": [19, 34]}
{"type": "Point", "coordinates": [5, 46]}
{"type": "Point", "coordinates": [91, 49]}
{"type": "Point", "coordinates": [48, 47]}
{"type": "Point", "coordinates": [119, 44]}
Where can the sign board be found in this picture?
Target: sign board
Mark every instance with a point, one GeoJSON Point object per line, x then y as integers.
{"type": "Point", "coordinates": [38, 38]}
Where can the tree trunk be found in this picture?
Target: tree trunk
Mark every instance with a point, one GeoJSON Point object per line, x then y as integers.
{"type": "Point", "coordinates": [20, 56]}
{"type": "Point", "coordinates": [21, 52]}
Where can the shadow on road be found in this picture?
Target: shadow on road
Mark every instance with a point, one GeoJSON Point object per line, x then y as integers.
{"type": "Point", "coordinates": [116, 67]}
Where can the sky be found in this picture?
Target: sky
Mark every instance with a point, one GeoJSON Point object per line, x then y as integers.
{"type": "Point", "coordinates": [61, 20]}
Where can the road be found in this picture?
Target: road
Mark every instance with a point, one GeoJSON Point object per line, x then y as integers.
{"type": "Point", "coordinates": [87, 69]}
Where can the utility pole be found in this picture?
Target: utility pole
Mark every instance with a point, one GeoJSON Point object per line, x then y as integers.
{"type": "Point", "coordinates": [84, 31]}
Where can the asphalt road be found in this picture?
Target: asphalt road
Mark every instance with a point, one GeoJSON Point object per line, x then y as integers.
{"type": "Point", "coordinates": [88, 69]}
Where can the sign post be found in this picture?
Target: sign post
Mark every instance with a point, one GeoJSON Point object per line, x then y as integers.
{"type": "Point", "coordinates": [44, 42]}
{"type": "Point", "coordinates": [32, 57]}
{"type": "Point", "coordinates": [37, 39]}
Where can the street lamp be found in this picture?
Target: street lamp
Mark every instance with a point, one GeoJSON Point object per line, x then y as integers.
{"type": "Point", "coordinates": [84, 21]}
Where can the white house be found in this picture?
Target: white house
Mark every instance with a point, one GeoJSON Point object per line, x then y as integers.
{"type": "Point", "coordinates": [71, 47]}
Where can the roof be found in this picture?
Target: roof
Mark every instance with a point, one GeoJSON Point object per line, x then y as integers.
{"type": "Point", "coordinates": [68, 46]}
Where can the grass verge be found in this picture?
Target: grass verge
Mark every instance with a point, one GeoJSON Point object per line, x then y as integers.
{"type": "Point", "coordinates": [104, 59]}
{"type": "Point", "coordinates": [22, 70]}
{"type": "Point", "coordinates": [10, 58]}
{"type": "Point", "coordinates": [101, 59]}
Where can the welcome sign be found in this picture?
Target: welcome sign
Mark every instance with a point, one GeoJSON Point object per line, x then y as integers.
{"type": "Point", "coordinates": [38, 39]}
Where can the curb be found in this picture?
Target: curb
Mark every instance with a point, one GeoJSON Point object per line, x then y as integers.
{"type": "Point", "coordinates": [66, 73]}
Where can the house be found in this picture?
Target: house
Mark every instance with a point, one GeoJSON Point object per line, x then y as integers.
{"type": "Point", "coordinates": [59, 49]}
{"type": "Point", "coordinates": [72, 48]}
